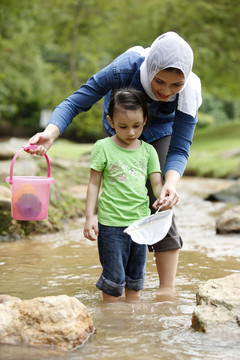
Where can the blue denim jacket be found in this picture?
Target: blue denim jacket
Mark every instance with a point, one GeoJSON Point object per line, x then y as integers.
{"type": "Point", "coordinates": [165, 119]}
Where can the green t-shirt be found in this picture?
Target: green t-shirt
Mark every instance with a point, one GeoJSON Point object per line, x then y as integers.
{"type": "Point", "coordinates": [124, 196]}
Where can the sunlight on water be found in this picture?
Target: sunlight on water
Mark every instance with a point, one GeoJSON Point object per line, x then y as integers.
{"type": "Point", "coordinates": [159, 326]}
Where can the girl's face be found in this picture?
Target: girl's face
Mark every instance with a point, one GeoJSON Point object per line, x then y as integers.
{"type": "Point", "coordinates": [166, 84]}
{"type": "Point", "coordinates": [128, 125]}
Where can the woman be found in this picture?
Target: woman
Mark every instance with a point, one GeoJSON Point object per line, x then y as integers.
{"type": "Point", "coordinates": [164, 73]}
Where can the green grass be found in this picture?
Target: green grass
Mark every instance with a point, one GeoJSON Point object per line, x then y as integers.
{"type": "Point", "coordinates": [209, 151]}
{"type": "Point", "coordinates": [66, 149]}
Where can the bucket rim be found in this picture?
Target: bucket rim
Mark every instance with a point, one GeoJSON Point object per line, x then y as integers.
{"type": "Point", "coordinates": [35, 179]}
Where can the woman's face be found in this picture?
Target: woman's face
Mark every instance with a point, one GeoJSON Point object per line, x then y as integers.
{"type": "Point", "coordinates": [166, 84]}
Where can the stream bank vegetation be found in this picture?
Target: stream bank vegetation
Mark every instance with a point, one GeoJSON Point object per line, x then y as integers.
{"type": "Point", "coordinates": [215, 151]}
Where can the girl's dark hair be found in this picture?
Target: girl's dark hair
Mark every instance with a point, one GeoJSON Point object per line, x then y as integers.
{"type": "Point", "coordinates": [128, 99]}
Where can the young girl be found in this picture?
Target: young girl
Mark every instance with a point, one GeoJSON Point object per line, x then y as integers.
{"type": "Point", "coordinates": [122, 163]}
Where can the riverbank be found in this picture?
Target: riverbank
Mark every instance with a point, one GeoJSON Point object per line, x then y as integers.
{"type": "Point", "coordinates": [215, 152]}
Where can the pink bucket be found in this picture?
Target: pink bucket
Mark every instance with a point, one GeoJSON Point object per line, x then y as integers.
{"type": "Point", "coordinates": [29, 194]}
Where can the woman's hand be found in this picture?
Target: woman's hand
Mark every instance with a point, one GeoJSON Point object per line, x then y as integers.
{"type": "Point", "coordinates": [167, 199]}
{"type": "Point", "coordinates": [44, 140]}
{"type": "Point", "coordinates": [169, 196]}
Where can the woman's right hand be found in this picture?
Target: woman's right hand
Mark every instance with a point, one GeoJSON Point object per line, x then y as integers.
{"type": "Point", "coordinates": [44, 140]}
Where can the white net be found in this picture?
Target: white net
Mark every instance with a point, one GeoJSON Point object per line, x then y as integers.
{"type": "Point", "coordinates": [151, 229]}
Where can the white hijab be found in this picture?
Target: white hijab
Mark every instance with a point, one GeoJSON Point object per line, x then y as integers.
{"type": "Point", "coordinates": [170, 50]}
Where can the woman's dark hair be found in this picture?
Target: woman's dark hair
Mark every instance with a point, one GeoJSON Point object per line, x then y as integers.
{"type": "Point", "coordinates": [128, 99]}
{"type": "Point", "coordinates": [170, 69]}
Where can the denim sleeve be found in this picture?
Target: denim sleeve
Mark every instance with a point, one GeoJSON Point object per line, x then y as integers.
{"type": "Point", "coordinates": [83, 99]}
{"type": "Point", "coordinates": [183, 130]}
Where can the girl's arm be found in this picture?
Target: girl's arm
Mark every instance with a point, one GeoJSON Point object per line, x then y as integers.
{"type": "Point", "coordinates": [91, 228]}
{"type": "Point", "coordinates": [156, 184]}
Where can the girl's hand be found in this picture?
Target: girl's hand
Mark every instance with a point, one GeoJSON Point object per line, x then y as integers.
{"type": "Point", "coordinates": [168, 197]}
{"type": "Point", "coordinates": [90, 230]}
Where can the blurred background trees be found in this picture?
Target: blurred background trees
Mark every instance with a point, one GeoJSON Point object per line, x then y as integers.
{"type": "Point", "coordinates": [49, 48]}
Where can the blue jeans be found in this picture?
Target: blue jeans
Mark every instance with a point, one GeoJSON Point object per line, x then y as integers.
{"type": "Point", "coordinates": [123, 261]}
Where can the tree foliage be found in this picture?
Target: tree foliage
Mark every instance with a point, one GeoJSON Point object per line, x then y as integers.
{"type": "Point", "coordinates": [49, 48]}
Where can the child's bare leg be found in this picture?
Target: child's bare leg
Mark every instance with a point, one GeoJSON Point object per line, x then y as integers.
{"type": "Point", "coordinates": [109, 298]}
{"type": "Point", "coordinates": [132, 294]}
{"type": "Point", "coordinates": [167, 262]}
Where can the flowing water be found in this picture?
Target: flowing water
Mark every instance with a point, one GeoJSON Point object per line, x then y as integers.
{"type": "Point", "coordinates": [158, 327]}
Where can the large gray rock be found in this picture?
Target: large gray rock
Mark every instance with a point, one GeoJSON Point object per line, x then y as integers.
{"type": "Point", "coordinates": [9, 148]}
{"type": "Point", "coordinates": [230, 194]}
{"type": "Point", "coordinates": [22, 167]}
{"type": "Point", "coordinates": [61, 321]}
{"type": "Point", "coordinates": [25, 164]}
{"type": "Point", "coordinates": [229, 221]}
{"type": "Point", "coordinates": [218, 305]}
{"type": "Point", "coordinates": [5, 195]}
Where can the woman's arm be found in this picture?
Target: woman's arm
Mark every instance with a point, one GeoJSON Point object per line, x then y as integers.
{"type": "Point", "coordinates": [184, 124]}
{"type": "Point", "coordinates": [81, 100]}
{"type": "Point", "coordinates": [96, 87]}
{"type": "Point", "coordinates": [181, 140]}
{"type": "Point", "coordinates": [115, 75]}
{"type": "Point", "coordinates": [90, 228]}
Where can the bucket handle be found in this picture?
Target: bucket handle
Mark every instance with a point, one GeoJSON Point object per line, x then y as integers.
{"type": "Point", "coordinates": [28, 147]}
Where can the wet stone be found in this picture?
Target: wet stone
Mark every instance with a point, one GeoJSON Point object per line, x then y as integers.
{"type": "Point", "coordinates": [218, 304]}
{"type": "Point", "coordinates": [229, 221]}
{"type": "Point", "coordinates": [60, 321]}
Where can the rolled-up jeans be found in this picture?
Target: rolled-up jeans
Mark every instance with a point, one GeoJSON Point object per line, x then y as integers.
{"type": "Point", "coordinates": [123, 261]}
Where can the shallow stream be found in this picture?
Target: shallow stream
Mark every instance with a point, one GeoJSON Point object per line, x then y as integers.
{"type": "Point", "coordinates": [158, 327]}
